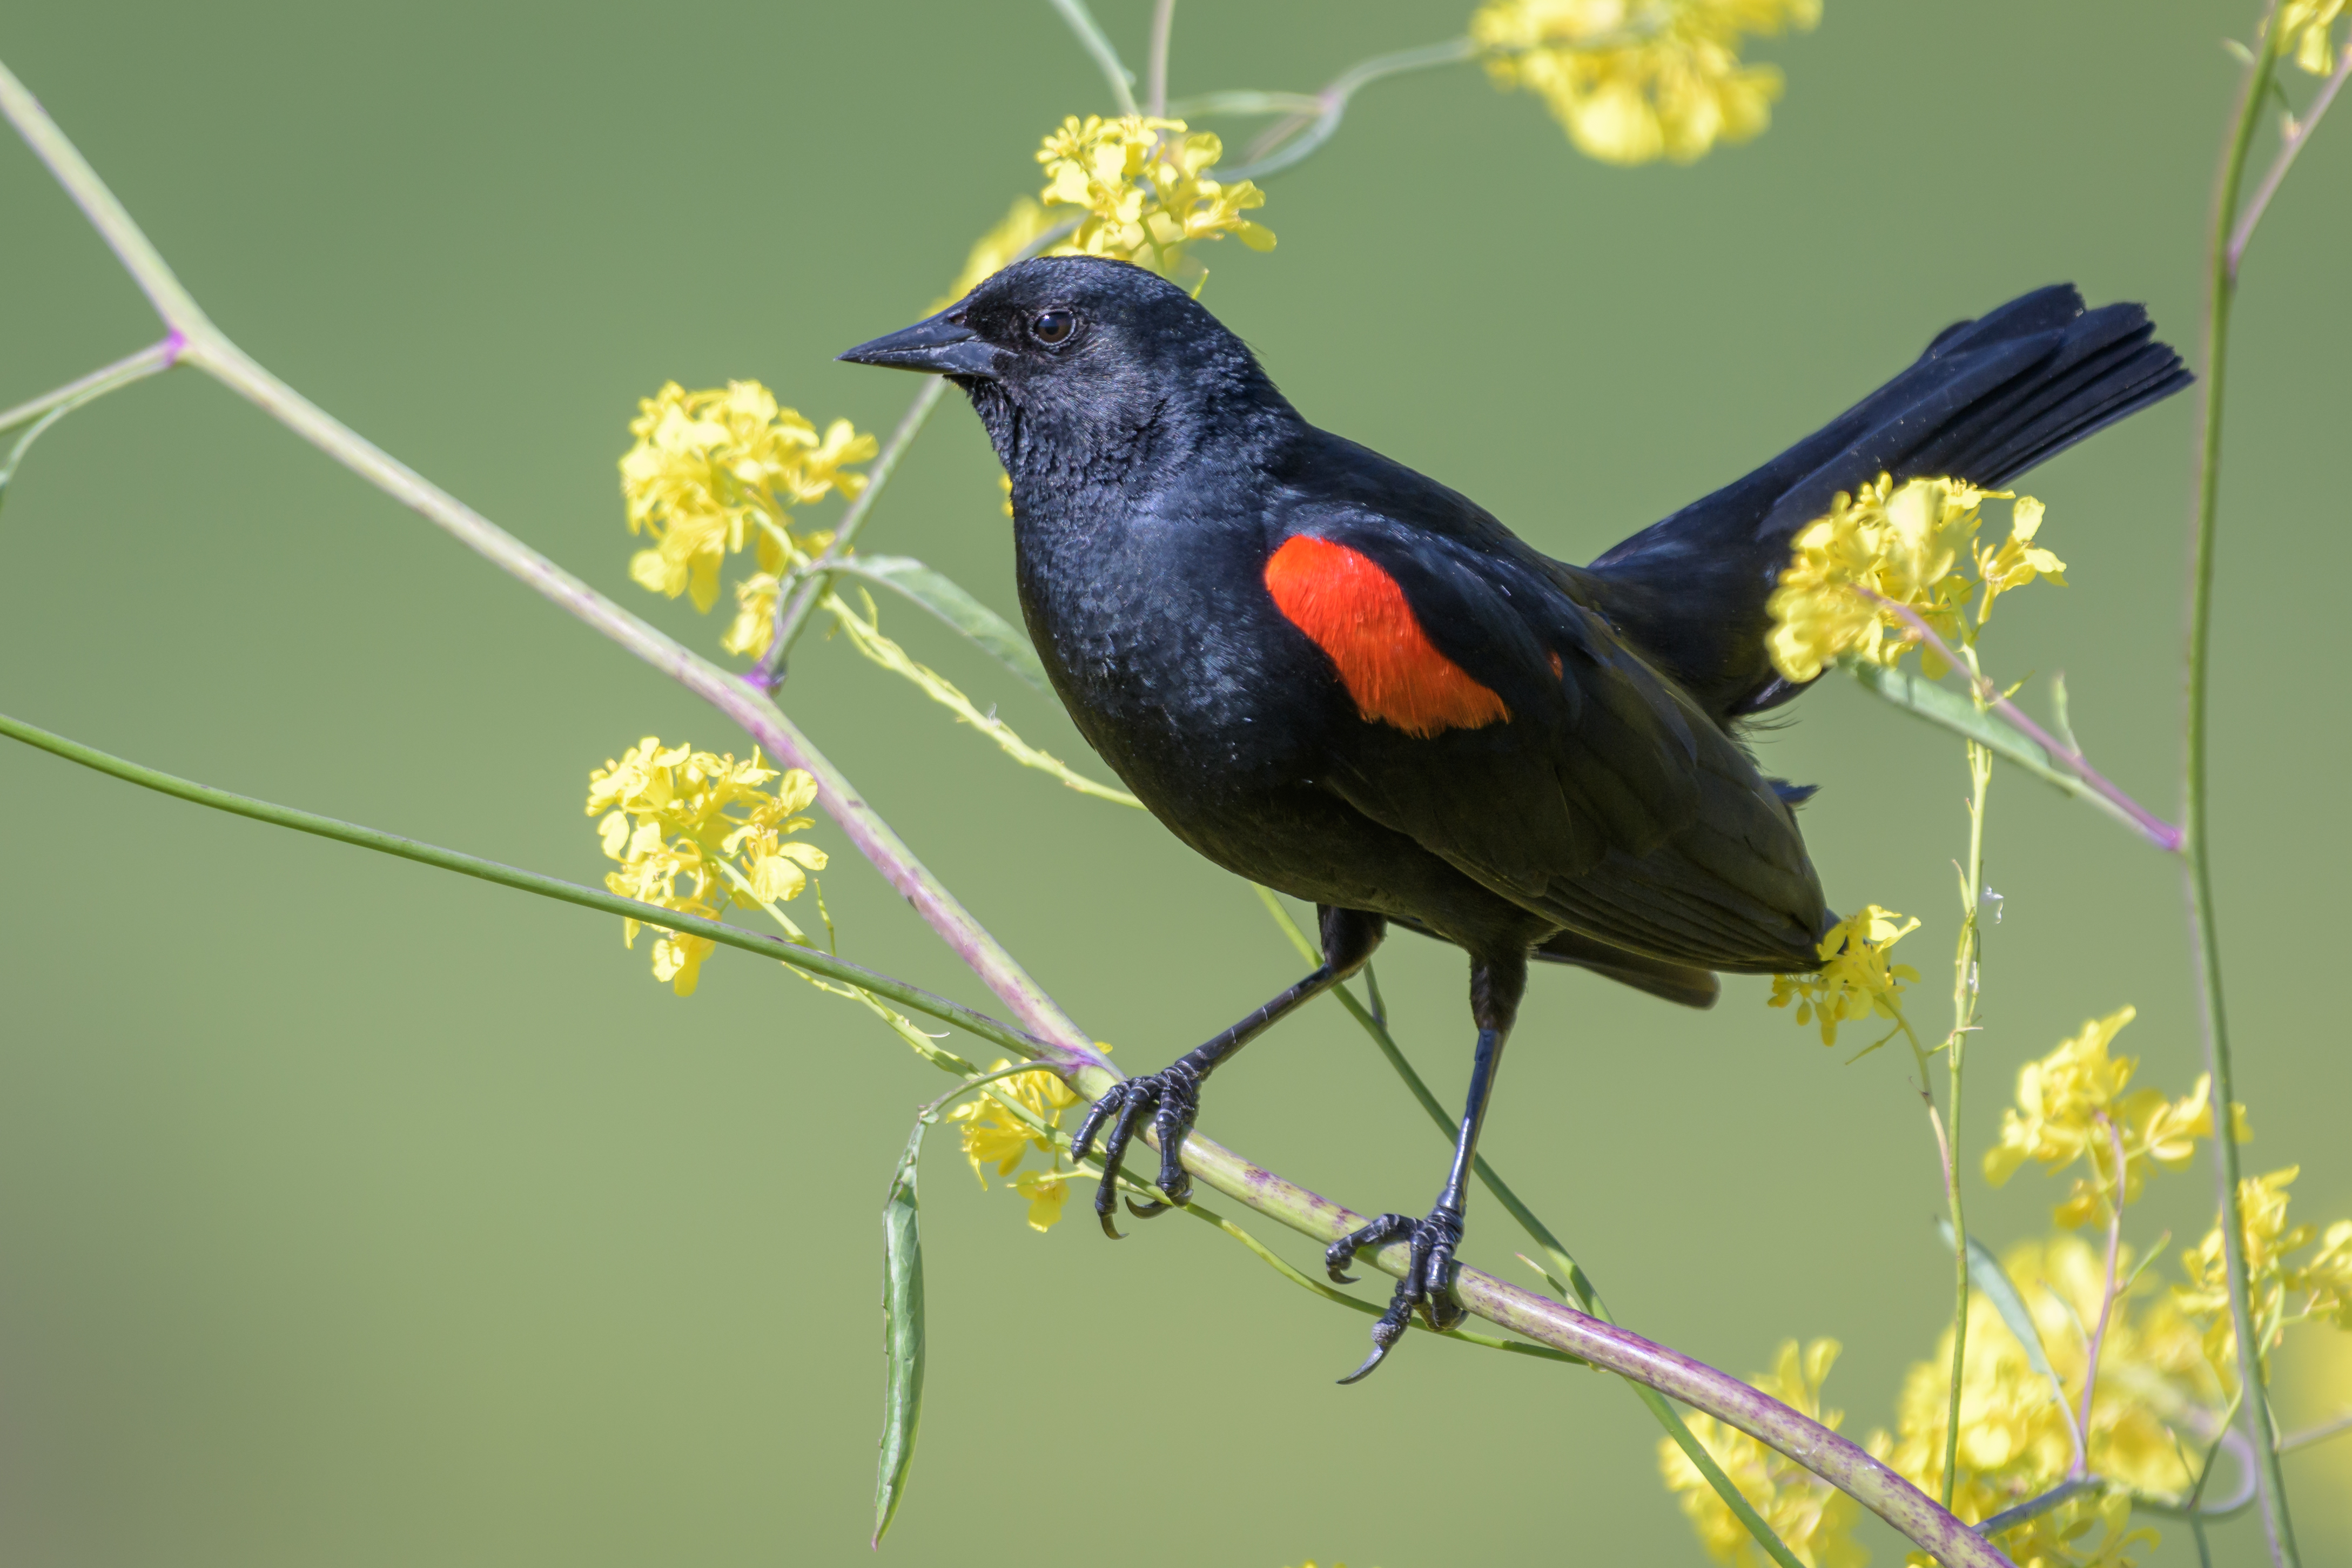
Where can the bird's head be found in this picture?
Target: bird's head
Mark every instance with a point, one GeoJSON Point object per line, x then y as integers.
{"type": "Point", "coordinates": [1082, 363]}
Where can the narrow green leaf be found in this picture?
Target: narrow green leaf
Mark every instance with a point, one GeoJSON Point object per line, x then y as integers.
{"type": "Point", "coordinates": [1987, 1274]}
{"type": "Point", "coordinates": [902, 1333]}
{"type": "Point", "coordinates": [992, 632]}
{"type": "Point", "coordinates": [1952, 710]}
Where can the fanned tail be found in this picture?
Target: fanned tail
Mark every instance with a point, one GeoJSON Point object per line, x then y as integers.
{"type": "Point", "coordinates": [1988, 400]}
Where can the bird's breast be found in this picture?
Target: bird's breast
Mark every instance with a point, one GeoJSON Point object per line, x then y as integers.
{"type": "Point", "coordinates": [1164, 643]}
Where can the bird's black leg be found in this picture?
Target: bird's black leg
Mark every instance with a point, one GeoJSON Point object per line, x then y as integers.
{"type": "Point", "coordinates": [1495, 987]}
{"type": "Point", "coordinates": [1171, 1097]}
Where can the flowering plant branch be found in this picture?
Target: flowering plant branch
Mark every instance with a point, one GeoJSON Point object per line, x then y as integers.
{"type": "Point", "coordinates": [1056, 1041]}
{"type": "Point", "coordinates": [1761, 1464]}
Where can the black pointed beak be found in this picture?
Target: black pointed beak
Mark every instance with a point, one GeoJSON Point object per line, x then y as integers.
{"type": "Point", "coordinates": [939, 347]}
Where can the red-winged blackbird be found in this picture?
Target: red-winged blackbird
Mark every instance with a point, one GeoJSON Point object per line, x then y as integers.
{"type": "Point", "coordinates": [1335, 676]}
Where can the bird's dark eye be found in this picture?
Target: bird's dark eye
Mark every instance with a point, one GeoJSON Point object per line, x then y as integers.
{"type": "Point", "coordinates": [1053, 325]}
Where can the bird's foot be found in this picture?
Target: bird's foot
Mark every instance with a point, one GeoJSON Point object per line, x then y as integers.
{"type": "Point", "coordinates": [1170, 1098]}
{"type": "Point", "coordinates": [1428, 1283]}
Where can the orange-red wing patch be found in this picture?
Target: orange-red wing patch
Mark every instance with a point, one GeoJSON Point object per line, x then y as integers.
{"type": "Point", "coordinates": [1358, 614]}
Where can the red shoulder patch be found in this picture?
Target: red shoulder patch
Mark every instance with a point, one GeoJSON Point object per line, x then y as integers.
{"type": "Point", "coordinates": [1356, 613]}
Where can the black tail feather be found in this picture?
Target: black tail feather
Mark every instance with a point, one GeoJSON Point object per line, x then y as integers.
{"type": "Point", "coordinates": [1988, 400]}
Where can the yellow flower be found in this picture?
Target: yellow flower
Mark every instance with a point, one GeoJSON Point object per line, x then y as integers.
{"type": "Point", "coordinates": [1813, 1517]}
{"type": "Point", "coordinates": [1903, 545]}
{"type": "Point", "coordinates": [754, 626]}
{"type": "Point", "coordinates": [1144, 194]}
{"type": "Point", "coordinates": [2304, 29]}
{"type": "Point", "coordinates": [2016, 1441]}
{"type": "Point", "coordinates": [2068, 1101]}
{"type": "Point", "coordinates": [1632, 80]}
{"type": "Point", "coordinates": [994, 1136]}
{"type": "Point", "coordinates": [712, 471]}
{"type": "Point", "coordinates": [998, 248]}
{"type": "Point", "coordinates": [1046, 1192]}
{"type": "Point", "coordinates": [2328, 1275]}
{"type": "Point", "coordinates": [2018, 561]}
{"type": "Point", "coordinates": [674, 816]}
{"type": "Point", "coordinates": [1856, 979]}
{"type": "Point", "coordinates": [2324, 1279]}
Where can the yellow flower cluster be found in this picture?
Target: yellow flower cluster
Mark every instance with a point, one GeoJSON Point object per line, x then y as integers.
{"type": "Point", "coordinates": [1634, 80]}
{"type": "Point", "coordinates": [1814, 1519]}
{"type": "Point", "coordinates": [1145, 194]}
{"type": "Point", "coordinates": [2070, 1105]}
{"type": "Point", "coordinates": [2305, 29]}
{"type": "Point", "coordinates": [1889, 546]}
{"type": "Point", "coordinates": [713, 471]}
{"type": "Point", "coordinates": [2324, 1279]}
{"type": "Point", "coordinates": [994, 1136]}
{"type": "Point", "coordinates": [1857, 978]}
{"type": "Point", "coordinates": [680, 820]}
{"type": "Point", "coordinates": [2017, 1441]}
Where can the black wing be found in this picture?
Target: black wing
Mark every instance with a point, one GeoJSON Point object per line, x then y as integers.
{"type": "Point", "coordinates": [1607, 801]}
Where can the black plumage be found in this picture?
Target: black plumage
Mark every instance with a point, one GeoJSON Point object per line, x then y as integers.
{"type": "Point", "coordinates": [1339, 678]}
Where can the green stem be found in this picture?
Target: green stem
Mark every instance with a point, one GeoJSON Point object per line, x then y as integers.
{"type": "Point", "coordinates": [2319, 1433]}
{"type": "Point", "coordinates": [1964, 989]}
{"type": "Point", "coordinates": [1572, 1274]}
{"type": "Point", "coordinates": [2223, 290]}
{"type": "Point", "coordinates": [814, 960]}
{"type": "Point", "coordinates": [792, 610]}
{"type": "Point", "coordinates": [1155, 70]}
{"type": "Point", "coordinates": [152, 359]}
{"type": "Point", "coordinates": [1120, 80]}
{"type": "Point", "coordinates": [1330, 105]}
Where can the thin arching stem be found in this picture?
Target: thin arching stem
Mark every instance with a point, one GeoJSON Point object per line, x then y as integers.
{"type": "Point", "coordinates": [814, 960]}
{"type": "Point", "coordinates": [793, 610]}
{"type": "Point", "coordinates": [152, 359]}
{"type": "Point", "coordinates": [1332, 104]}
{"type": "Point", "coordinates": [1966, 986]}
{"type": "Point", "coordinates": [2157, 831]}
{"type": "Point", "coordinates": [1116, 75]}
{"type": "Point", "coordinates": [1155, 70]}
{"type": "Point", "coordinates": [2222, 284]}
{"type": "Point", "coordinates": [2289, 151]}
{"type": "Point", "coordinates": [2108, 1295]}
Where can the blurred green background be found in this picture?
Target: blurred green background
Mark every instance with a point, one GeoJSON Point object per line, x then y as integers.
{"type": "Point", "coordinates": [355, 1214]}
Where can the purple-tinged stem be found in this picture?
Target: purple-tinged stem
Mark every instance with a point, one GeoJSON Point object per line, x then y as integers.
{"type": "Point", "coordinates": [2158, 832]}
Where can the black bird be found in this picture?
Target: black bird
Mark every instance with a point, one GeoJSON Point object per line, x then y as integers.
{"type": "Point", "coordinates": [1335, 676]}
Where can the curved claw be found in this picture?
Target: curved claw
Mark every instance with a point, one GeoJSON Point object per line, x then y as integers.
{"type": "Point", "coordinates": [1337, 1277]}
{"type": "Point", "coordinates": [1170, 1096]}
{"type": "Point", "coordinates": [1379, 1354]}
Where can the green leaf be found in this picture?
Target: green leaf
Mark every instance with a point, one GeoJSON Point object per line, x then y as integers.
{"type": "Point", "coordinates": [993, 632]}
{"type": "Point", "coordinates": [1955, 711]}
{"type": "Point", "coordinates": [1987, 1274]}
{"type": "Point", "coordinates": [902, 1333]}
